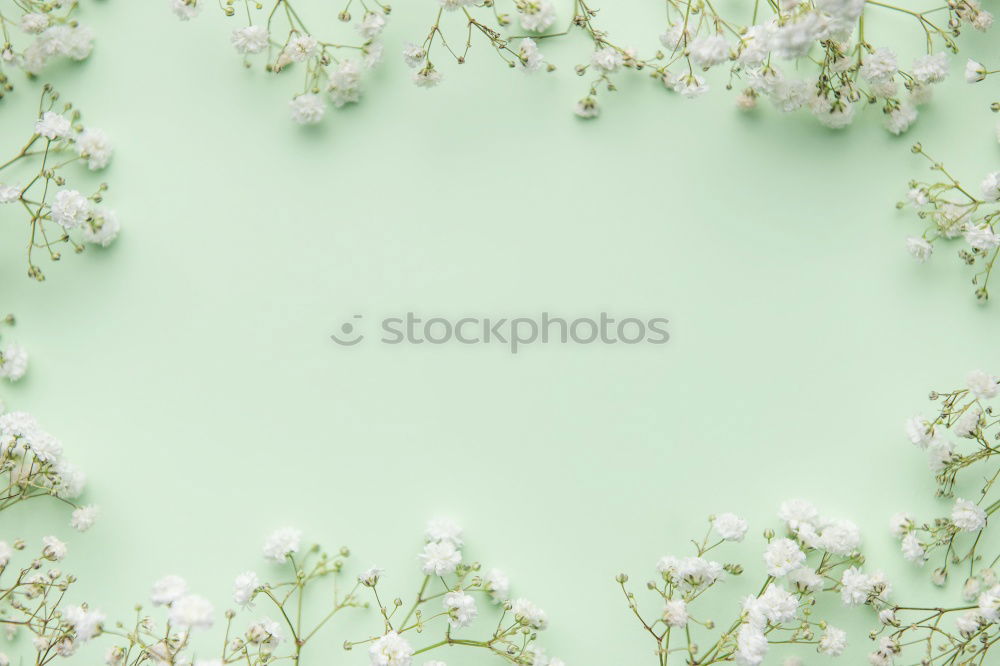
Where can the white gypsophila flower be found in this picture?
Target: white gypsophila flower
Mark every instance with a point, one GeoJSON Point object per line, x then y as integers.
{"type": "Point", "coordinates": [968, 623]}
{"type": "Point", "coordinates": [69, 209]}
{"type": "Point", "coordinates": [265, 633]}
{"type": "Point", "coordinates": [34, 23]}
{"type": "Point", "coordinates": [989, 604]}
{"type": "Point", "coordinates": [833, 642]}
{"type": "Point", "coordinates": [981, 237]}
{"type": "Point", "coordinates": [775, 605]}
{"type": "Point", "coordinates": [900, 524]}
{"type": "Point", "coordinates": [887, 616]}
{"type": "Point", "coordinates": [982, 385]}
{"type": "Point", "coordinates": [783, 556]}
{"type": "Point", "coordinates": [805, 579]}
{"type": "Point", "coordinates": [6, 552]}
{"type": "Point", "coordinates": [251, 39]}
{"type": "Point", "coordinates": [427, 76]}
{"type": "Point", "coordinates": [452, 5]}
{"type": "Point", "coordinates": [281, 543]}
{"type": "Point", "coordinates": [443, 529]}
{"type": "Point", "coordinates": [729, 526]}
{"type": "Point", "coordinates": [86, 623]}
{"type": "Point", "coordinates": [690, 574]}
{"type": "Point", "coordinates": [968, 423]}
{"type": "Point", "coordinates": [371, 54]}
{"type": "Point", "coordinates": [708, 51]}
{"type": "Point", "coordinates": [307, 108]}
{"type": "Point", "coordinates": [840, 537]}
{"type": "Point", "coordinates": [879, 66]}
{"type": "Point", "coordinates": [185, 10]}
{"type": "Point", "coordinates": [835, 114]}
{"type": "Point", "coordinates": [537, 15]}
{"type": "Point", "coordinates": [53, 126]}
{"type": "Point", "coordinates": [191, 612]}
{"type": "Point", "coordinates": [794, 39]}
{"type": "Point", "coordinates": [414, 55]}
{"type": "Point", "coordinates": [991, 186]}
{"type": "Point", "coordinates": [900, 118]}
{"type": "Point", "coordinates": [9, 193]}
{"type": "Point", "coordinates": [45, 447]}
{"type": "Point", "coordinates": [84, 517]}
{"type": "Point", "coordinates": [102, 227]}
{"type": "Point", "coordinates": [690, 86]}
{"type": "Point", "coordinates": [461, 608]}
{"type": "Point", "coordinates": [345, 83]}
{"type": "Point", "coordinates": [751, 646]}
{"type": "Point", "coordinates": [919, 248]}
{"type": "Point", "coordinates": [675, 613]}
{"type": "Point", "coordinates": [439, 558]}
{"type": "Point", "coordinates": [301, 48]}
{"type": "Point", "coordinates": [755, 45]}
{"type": "Point", "coordinates": [390, 650]}
{"type": "Point", "coordinates": [527, 611]}
{"type": "Point", "coordinates": [371, 25]}
{"type": "Point", "coordinates": [13, 362]}
{"type": "Point", "coordinates": [530, 59]}
{"type": "Point", "coordinates": [975, 71]}
{"type": "Point", "coordinates": [967, 516]}
{"type": "Point", "coordinates": [244, 587]}
{"type": "Point", "coordinates": [53, 549]}
{"type": "Point", "coordinates": [931, 68]}
{"type": "Point", "coordinates": [797, 513]}
{"type": "Point", "coordinates": [167, 590]}
{"type": "Point", "coordinates": [371, 576]}
{"type": "Point", "coordinates": [587, 108]}
{"type": "Point", "coordinates": [497, 584]}
{"type": "Point", "coordinates": [912, 548]}
{"type": "Point", "coordinates": [94, 146]}
{"type": "Point", "coordinates": [607, 59]}
{"type": "Point", "coordinates": [675, 37]}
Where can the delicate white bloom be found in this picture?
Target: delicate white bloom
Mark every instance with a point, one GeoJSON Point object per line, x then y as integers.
{"type": "Point", "coordinates": [244, 587]}
{"type": "Point", "coordinates": [587, 108]}
{"type": "Point", "coordinates": [371, 25]}
{"type": "Point", "coordinates": [858, 587]}
{"type": "Point", "coordinates": [833, 642]}
{"type": "Point", "coordinates": [443, 529]}
{"type": "Point", "coordinates": [53, 126]}
{"type": "Point", "coordinates": [69, 209]}
{"type": "Point", "coordinates": [251, 39]}
{"type": "Point", "coordinates": [900, 524]}
{"type": "Point", "coordinates": [370, 577]}
{"type": "Point", "coordinates": [345, 83]}
{"type": "Point", "coordinates": [529, 613]}
{"type": "Point", "coordinates": [391, 650]}
{"type": "Point", "coordinates": [461, 609]}
{"type": "Point", "coordinates": [497, 584]}
{"type": "Point", "coordinates": [301, 48]}
{"type": "Point", "coordinates": [167, 590]}
{"type": "Point", "coordinates": [900, 118]}
{"type": "Point", "coordinates": [751, 646]}
{"type": "Point", "coordinates": [981, 237]}
{"type": "Point", "coordinates": [414, 55]}
{"type": "Point", "coordinates": [729, 526]}
{"type": "Point", "coordinates": [982, 385]}
{"type": "Point", "coordinates": [95, 146]}
{"type": "Point", "coordinates": [967, 516]}
{"type": "Point", "coordinates": [530, 59]}
{"type": "Point", "coordinates": [675, 613]}
{"type": "Point", "coordinates": [968, 622]}
{"type": "Point", "coordinates": [607, 59]}
{"type": "Point", "coordinates": [675, 37]}
{"type": "Point", "coordinates": [775, 605]}
{"type": "Point", "coordinates": [282, 543]}
{"type": "Point", "coordinates": [6, 552]}
{"type": "Point", "coordinates": [931, 68]}
{"type": "Point", "coordinates": [805, 579]}
{"type": "Point", "coordinates": [86, 623]}
{"type": "Point", "coordinates": [84, 517]}
{"type": "Point", "coordinates": [439, 558]}
{"type": "Point", "coordinates": [452, 5]}
{"type": "Point", "coordinates": [102, 227]}
{"type": "Point", "coordinates": [185, 10]}
{"type": "Point", "coordinates": [690, 86]}
{"type": "Point", "coordinates": [9, 193]}
{"type": "Point", "coordinates": [53, 549]}
{"type": "Point", "coordinates": [798, 513]}
{"type": "Point", "coordinates": [912, 548]}
{"type": "Point", "coordinates": [971, 589]}
{"type": "Point", "coordinates": [537, 15]}
{"type": "Point", "coordinates": [191, 612]}
{"type": "Point", "coordinates": [974, 71]}
{"type": "Point", "coordinates": [783, 556]}
{"type": "Point", "coordinates": [13, 362]}
{"type": "Point", "coordinates": [266, 633]}
{"type": "Point", "coordinates": [991, 186]}
{"type": "Point", "coordinates": [879, 66]}
{"type": "Point", "coordinates": [708, 51]}
{"type": "Point", "coordinates": [989, 604]}
{"type": "Point", "coordinates": [690, 573]}
{"type": "Point", "coordinates": [427, 76]}
{"type": "Point", "coordinates": [968, 423]}
{"type": "Point", "coordinates": [835, 114]}
{"type": "Point", "coordinates": [307, 109]}
{"type": "Point", "coordinates": [919, 249]}
{"type": "Point", "coordinates": [795, 38]}
{"type": "Point", "coordinates": [34, 22]}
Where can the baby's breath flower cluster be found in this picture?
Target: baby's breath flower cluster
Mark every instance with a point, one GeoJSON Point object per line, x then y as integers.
{"type": "Point", "coordinates": [55, 212]}
{"type": "Point", "coordinates": [35, 32]}
{"type": "Point", "coordinates": [32, 601]}
{"type": "Point", "coordinates": [962, 436]}
{"type": "Point", "coordinates": [333, 71]}
{"type": "Point", "coordinates": [800, 54]}
{"type": "Point", "coordinates": [13, 357]}
{"type": "Point", "coordinates": [447, 607]}
{"type": "Point", "coordinates": [953, 211]}
{"type": "Point", "coordinates": [813, 557]}
{"type": "Point", "coordinates": [959, 636]}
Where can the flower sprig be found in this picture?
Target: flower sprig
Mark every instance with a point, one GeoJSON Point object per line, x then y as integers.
{"type": "Point", "coordinates": [815, 557]}
{"type": "Point", "coordinates": [960, 440]}
{"type": "Point", "coordinates": [34, 32]}
{"type": "Point", "coordinates": [952, 210]}
{"type": "Point", "coordinates": [331, 70]}
{"type": "Point", "coordinates": [57, 214]}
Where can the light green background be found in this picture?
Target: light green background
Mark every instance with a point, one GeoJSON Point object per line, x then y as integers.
{"type": "Point", "coordinates": [188, 368]}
